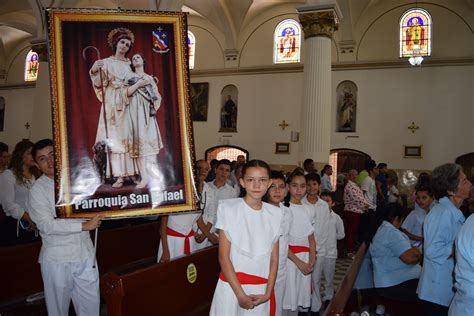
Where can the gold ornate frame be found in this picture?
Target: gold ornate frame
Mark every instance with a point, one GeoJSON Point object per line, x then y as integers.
{"type": "Point", "coordinates": [63, 185]}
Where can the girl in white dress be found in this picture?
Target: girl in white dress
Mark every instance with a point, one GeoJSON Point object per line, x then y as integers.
{"type": "Point", "coordinates": [248, 249]}
{"type": "Point", "coordinates": [275, 196]}
{"type": "Point", "coordinates": [177, 236]}
{"type": "Point", "coordinates": [301, 248]}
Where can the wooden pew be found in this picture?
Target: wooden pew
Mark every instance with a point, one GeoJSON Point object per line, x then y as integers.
{"type": "Point", "coordinates": [150, 288]}
{"type": "Point", "coordinates": [20, 273]}
{"type": "Point", "coordinates": [347, 300]}
{"type": "Point", "coordinates": [337, 306]}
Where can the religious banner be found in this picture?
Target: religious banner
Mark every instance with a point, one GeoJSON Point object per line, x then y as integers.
{"type": "Point", "coordinates": [122, 130]}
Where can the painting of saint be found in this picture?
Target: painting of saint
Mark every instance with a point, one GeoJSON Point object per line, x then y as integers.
{"type": "Point", "coordinates": [199, 101]}
{"type": "Point", "coordinates": [288, 43]}
{"type": "Point", "coordinates": [229, 109]}
{"type": "Point", "coordinates": [346, 106]}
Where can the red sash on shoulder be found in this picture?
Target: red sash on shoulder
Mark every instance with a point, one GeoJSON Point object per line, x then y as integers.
{"type": "Point", "coordinates": [187, 247]}
{"type": "Point", "coordinates": [245, 278]}
{"type": "Point", "coordinates": [298, 249]}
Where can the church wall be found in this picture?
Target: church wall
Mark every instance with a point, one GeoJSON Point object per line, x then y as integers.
{"type": "Point", "coordinates": [378, 36]}
{"type": "Point", "coordinates": [438, 99]}
{"type": "Point", "coordinates": [214, 56]}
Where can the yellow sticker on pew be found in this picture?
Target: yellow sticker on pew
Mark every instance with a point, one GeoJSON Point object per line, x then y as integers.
{"type": "Point", "coordinates": [191, 273]}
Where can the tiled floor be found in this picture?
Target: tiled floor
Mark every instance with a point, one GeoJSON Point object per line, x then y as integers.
{"type": "Point", "coordinates": [342, 265]}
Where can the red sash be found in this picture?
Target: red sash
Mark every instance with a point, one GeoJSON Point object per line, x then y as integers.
{"type": "Point", "coordinates": [298, 249]}
{"type": "Point", "coordinates": [187, 247]}
{"type": "Point", "coordinates": [245, 278]}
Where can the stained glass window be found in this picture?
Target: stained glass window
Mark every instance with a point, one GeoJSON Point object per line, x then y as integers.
{"type": "Point", "coordinates": [287, 42]}
{"type": "Point", "coordinates": [415, 33]}
{"type": "Point", "coordinates": [191, 49]}
{"type": "Point", "coordinates": [31, 66]}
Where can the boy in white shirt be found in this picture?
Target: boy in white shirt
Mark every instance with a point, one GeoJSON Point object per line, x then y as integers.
{"type": "Point", "coordinates": [335, 233]}
{"type": "Point", "coordinates": [275, 196]}
{"type": "Point", "coordinates": [68, 266]}
{"type": "Point", "coordinates": [320, 219]}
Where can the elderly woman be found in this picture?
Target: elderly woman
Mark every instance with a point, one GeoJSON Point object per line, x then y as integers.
{"type": "Point", "coordinates": [395, 261]}
{"type": "Point", "coordinates": [440, 229]}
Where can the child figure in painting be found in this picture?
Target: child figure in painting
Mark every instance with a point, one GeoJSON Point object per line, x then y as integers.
{"type": "Point", "coordinates": [275, 196]}
{"type": "Point", "coordinates": [301, 248]}
{"type": "Point", "coordinates": [335, 233]}
{"type": "Point", "coordinates": [248, 247]}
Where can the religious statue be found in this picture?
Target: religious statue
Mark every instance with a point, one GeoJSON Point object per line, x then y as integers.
{"type": "Point", "coordinates": [229, 109]}
{"type": "Point", "coordinates": [346, 104]}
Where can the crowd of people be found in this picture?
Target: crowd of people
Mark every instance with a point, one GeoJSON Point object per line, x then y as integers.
{"type": "Point", "coordinates": [277, 234]}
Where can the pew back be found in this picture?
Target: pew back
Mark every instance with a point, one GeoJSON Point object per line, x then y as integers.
{"type": "Point", "coordinates": [148, 288]}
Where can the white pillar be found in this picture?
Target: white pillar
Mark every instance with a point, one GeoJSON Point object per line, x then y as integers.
{"type": "Point", "coordinates": [319, 24]}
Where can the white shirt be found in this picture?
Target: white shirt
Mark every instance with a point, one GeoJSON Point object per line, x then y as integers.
{"type": "Point", "coordinates": [335, 233]}
{"type": "Point", "coordinates": [13, 196]}
{"type": "Point", "coordinates": [224, 192]}
{"type": "Point", "coordinates": [326, 184]}
{"type": "Point", "coordinates": [370, 192]}
{"type": "Point", "coordinates": [320, 219]}
{"type": "Point", "coordinates": [63, 239]}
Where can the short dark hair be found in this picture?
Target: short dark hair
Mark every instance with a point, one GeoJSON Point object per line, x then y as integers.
{"type": "Point", "coordinates": [307, 161]}
{"type": "Point", "coordinates": [369, 165]}
{"type": "Point", "coordinates": [445, 178]}
{"type": "Point", "coordinates": [326, 167]}
{"type": "Point", "coordinates": [424, 188]}
{"type": "Point", "coordinates": [330, 194]}
{"type": "Point", "coordinates": [392, 211]}
{"type": "Point", "coordinates": [277, 175]}
{"type": "Point", "coordinates": [313, 176]}
{"type": "Point", "coordinates": [224, 162]}
{"type": "Point", "coordinates": [3, 147]}
{"type": "Point", "coordinates": [381, 165]}
{"type": "Point", "coordinates": [40, 145]}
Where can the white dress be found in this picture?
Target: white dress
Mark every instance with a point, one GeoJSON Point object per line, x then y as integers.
{"type": "Point", "coordinates": [183, 224]}
{"type": "Point", "coordinates": [252, 235]}
{"type": "Point", "coordinates": [298, 286]}
{"type": "Point", "coordinates": [280, 284]}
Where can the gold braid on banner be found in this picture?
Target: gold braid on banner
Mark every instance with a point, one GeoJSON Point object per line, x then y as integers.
{"type": "Point", "coordinates": [120, 30]}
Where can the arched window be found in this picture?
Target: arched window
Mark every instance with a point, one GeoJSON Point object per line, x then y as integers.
{"type": "Point", "coordinates": [191, 49]}
{"type": "Point", "coordinates": [287, 42]}
{"type": "Point", "coordinates": [415, 33]}
{"type": "Point", "coordinates": [31, 66]}
{"type": "Point", "coordinates": [226, 152]}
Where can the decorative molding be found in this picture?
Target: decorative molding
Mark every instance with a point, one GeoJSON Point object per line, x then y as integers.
{"type": "Point", "coordinates": [341, 66]}
{"type": "Point", "coordinates": [231, 54]}
{"type": "Point", "coordinates": [29, 85]}
{"type": "Point", "coordinates": [347, 46]}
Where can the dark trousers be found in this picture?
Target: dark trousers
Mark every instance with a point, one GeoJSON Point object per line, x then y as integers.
{"type": "Point", "coordinates": [433, 309]}
{"type": "Point", "coordinates": [405, 292]}
{"type": "Point", "coordinates": [352, 221]}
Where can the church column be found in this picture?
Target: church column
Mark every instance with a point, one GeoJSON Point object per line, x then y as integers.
{"type": "Point", "coordinates": [319, 23]}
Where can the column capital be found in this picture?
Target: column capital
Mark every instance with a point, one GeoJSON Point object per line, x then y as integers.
{"type": "Point", "coordinates": [319, 20]}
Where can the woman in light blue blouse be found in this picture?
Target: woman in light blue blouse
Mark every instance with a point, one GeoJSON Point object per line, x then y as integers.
{"type": "Point", "coordinates": [394, 260]}
{"type": "Point", "coordinates": [440, 229]}
{"type": "Point", "coordinates": [463, 301]}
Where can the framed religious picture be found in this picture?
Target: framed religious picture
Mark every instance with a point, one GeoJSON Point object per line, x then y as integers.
{"type": "Point", "coordinates": [346, 107]}
{"type": "Point", "coordinates": [282, 148]}
{"type": "Point", "coordinates": [412, 152]}
{"type": "Point", "coordinates": [122, 131]}
{"type": "Point", "coordinates": [199, 101]}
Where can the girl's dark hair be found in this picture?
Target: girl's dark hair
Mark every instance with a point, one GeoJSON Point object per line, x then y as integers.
{"type": "Point", "coordinates": [386, 213]}
{"type": "Point", "coordinates": [293, 175]}
{"type": "Point", "coordinates": [252, 164]}
{"type": "Point", "coordinates": [16, 162]}
{"type": "Point", "coordinates": [326, 167]}
{"type": "Point", "coordinates": [424, 187]}
{"type": "Point", "coordinates": [143, 58]}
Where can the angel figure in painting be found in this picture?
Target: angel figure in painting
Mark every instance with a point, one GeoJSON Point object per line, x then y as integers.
{"type": "Point", "coordinates": [144, 137]}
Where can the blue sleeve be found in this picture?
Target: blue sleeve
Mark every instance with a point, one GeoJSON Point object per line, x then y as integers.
{"type": "Point", "coordinates": [408, 222]}
{"type": "Point", "coordinates": [398, 243]}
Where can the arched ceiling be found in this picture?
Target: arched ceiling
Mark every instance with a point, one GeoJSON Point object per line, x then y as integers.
{"type": "Point", "coordinates": [22, 20]}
